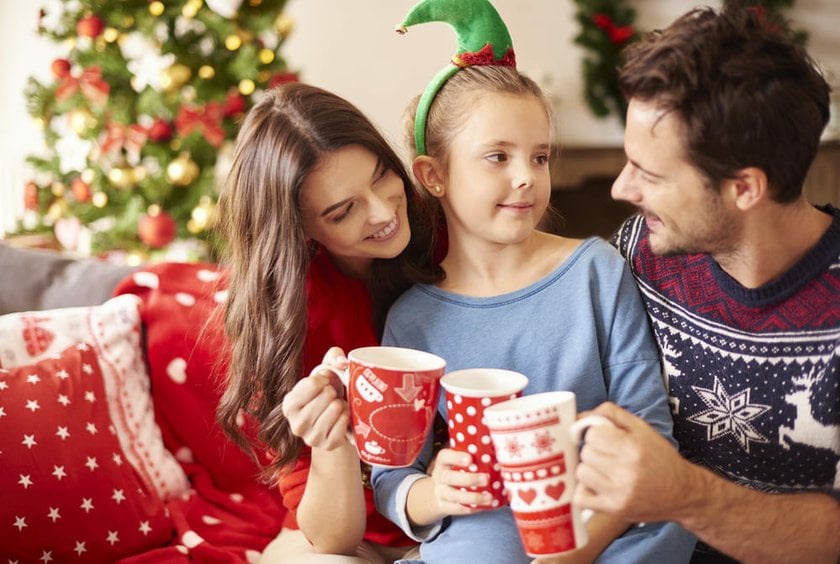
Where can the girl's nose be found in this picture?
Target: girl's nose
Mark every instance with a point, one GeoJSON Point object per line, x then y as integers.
{"type": "Point", "coordinates": [523, 177]}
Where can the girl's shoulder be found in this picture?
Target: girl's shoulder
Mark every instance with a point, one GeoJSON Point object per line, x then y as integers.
{"type": "Point", "coordinates": [568, 251]}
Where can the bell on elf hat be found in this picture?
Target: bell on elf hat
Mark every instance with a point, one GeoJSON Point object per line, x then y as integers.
{"type": "Point", "coordinates": [483, 39]}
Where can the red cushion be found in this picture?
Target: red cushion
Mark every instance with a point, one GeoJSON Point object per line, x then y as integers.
{"type": "Point", "coordinates": [67, 487]}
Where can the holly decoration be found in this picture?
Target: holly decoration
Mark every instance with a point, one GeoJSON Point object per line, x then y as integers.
{"type": "Point", "coordinates": [607, 27]}
{"type": "Point", "coordinates": [140, 113]}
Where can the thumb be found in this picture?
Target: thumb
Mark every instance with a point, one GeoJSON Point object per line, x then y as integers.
{"type": "Point", "coordinates": [618, 415]}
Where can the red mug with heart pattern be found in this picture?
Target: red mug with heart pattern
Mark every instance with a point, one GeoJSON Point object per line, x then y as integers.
{"type": "Point", "coordinates": [536, 439]}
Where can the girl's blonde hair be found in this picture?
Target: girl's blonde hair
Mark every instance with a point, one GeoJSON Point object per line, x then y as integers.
{"type": "Point", "coordinates": [456, 99]}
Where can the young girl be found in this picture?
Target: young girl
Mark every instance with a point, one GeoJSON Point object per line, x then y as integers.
{"type": "Point", "coordinates": [564, 312]}
{"type": "Point", "coordinates": [316, 217]}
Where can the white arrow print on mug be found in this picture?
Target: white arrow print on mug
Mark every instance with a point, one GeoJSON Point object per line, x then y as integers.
{"type": "Point", "coordinates": [362, 429]}
{"type": "Point", "coordinates": [408, 391]}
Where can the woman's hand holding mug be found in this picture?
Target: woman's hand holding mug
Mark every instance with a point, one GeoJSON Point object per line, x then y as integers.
{"type": "Point", "coordinates": [315, 409]}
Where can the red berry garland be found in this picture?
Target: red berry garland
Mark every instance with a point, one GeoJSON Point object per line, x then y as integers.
{"type": "Point", "coordinates": [607, 27]}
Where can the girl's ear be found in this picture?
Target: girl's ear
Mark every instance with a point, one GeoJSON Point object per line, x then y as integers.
{"type": "Point", "coordinates": [427, 171]}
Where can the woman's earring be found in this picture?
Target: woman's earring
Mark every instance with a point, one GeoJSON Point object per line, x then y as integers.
{"type": "Point", "coordinates": [437, 189]}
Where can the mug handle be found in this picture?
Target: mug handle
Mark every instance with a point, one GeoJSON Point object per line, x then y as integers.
{"type": "Point", "coordinates": [344, 376]}
{"type": "Point", "coordinates": [584, 423]}
{"type": "Point", "coordinates": [577, 429]}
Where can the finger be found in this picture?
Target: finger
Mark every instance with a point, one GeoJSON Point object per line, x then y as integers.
{"type": "Point", "coordinates": [617, 415]}
{"type": "Point", "coordinates": [607, 439]}
{"type": "Point", "coordinates": [336, 357]}
{"type": "Point", "coordinates": [592, 476]}
{"type": "Point", "coordinates": [316, 435]}
{"type": "Point", "coordinates": [305, 419]}
{"type": "Point", "coordinates": [586, 498]}
{"type": "Point", "coordinates": [451, 457]}
{"type": "Point", "coordinates": [462, 502]}
{"type": "Point", "coordinates": [337, 435]}
{"type": "Point", "coordinates": [306, 390]}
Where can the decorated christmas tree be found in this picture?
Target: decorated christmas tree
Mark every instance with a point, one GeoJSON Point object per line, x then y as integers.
{"type": "Point", "coordinates": [140, 115]}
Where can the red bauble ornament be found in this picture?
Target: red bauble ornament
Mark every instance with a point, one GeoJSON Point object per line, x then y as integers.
{"type": "Point", "coordinates": [160, 130]}
{"type": "Point", "coordinates": [234, 104]}
{"type": "Point", "coordinates": [81, 190]}
{"type": "Point", "coordinates": [89, 26]}
{"type": "Point", "coordinates": [283, 78]}
{"type": "Point", "coordinates": [30, 196]}
{"type": "Point", "coordinates": [60, 68]}
{"type": "Point", "coordinates": [156, 231]}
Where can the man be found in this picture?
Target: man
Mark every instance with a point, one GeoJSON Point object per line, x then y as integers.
{"type": "Point", "coordinates": [741, 279]}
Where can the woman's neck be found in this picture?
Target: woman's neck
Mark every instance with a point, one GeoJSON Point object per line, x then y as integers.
{"type": "Point", "coordinates": [354, 267]}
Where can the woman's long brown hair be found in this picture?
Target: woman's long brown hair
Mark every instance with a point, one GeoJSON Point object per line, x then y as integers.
{"type": "Point", "coordinates": [281, 140]}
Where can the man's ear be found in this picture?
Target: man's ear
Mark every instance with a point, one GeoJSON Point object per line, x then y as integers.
{"type": "Point", "coordinates": [428, 172]}
{"type": "Point", "coordinates": [748, 188]}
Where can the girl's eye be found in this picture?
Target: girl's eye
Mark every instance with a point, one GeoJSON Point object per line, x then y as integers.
{"type": "Point", "coordinates": [343, 215]}
{"type": "Point", "coordinates": [496, 157]}
{"type": "Point", "coordinates": [541, 159]}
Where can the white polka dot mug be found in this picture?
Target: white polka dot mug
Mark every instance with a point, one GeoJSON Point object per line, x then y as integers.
{"type": "Point", "coordinates": [468, 393]}
{"type": "Point", "coordinates": [393, 393]}
{"type": "Point", "coordinates": [536, 439]}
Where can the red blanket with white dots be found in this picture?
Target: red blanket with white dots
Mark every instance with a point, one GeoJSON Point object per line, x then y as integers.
{"type": "Point", "coordinates": [228, 515]}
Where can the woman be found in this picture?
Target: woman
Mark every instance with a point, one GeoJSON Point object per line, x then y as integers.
{"type": "Point", "coordinates": [320, 222]}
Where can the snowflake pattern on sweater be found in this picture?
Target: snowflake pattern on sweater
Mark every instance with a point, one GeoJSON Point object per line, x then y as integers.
{"type": "Point", "coordinates": [753, 374]}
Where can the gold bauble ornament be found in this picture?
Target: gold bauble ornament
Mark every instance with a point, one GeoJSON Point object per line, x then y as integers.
{"type": "Point", "coordinates": [191, 8]}
{"type": "Point", "coordinates": [174, 77]}
{"type": "Point", "coordinates": [247, 86]}
{"type": "Point", "coordinates": [182, 171]}
{"type": "Point", "coordinates": [284, 25]}
{"type": "Point", "coordinates": [136, 258]}
{"type": "Point", "coordinates": [266, 56]}
{"type": "Point", "coordinates": [233, 42]}
{"type": "Point", "coordinates": [206, 72]}
{"type": "Point", "coordinates": [58, 189]}
{"type": "Point", "coordinates": [122, 177]}
{"type": "Point", "coordinates": [156, 8]}
{"type": "Point", "coordinates": [110, 34]}
{"type": "Point", "coordinates": [57, 209]}
{"type": "Point", "coordinates": [81, 120]}
{"type": "Point", "coordinates": [100, 199]}
{"type": "Point", "coordinates": [202, 216]}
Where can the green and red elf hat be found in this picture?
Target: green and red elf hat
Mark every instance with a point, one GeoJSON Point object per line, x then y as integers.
{"type": "Point", "coordinates": [483, 39]}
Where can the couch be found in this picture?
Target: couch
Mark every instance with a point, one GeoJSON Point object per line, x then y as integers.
{"type": "Point", "coordinates": [109, 378]}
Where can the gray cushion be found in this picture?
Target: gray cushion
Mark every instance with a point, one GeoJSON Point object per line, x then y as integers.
{"type": "Point", "coordinates": [37, 280]}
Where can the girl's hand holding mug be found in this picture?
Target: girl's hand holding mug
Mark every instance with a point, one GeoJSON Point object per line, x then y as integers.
{"type": "Point", "coordinates": [449, 480]}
